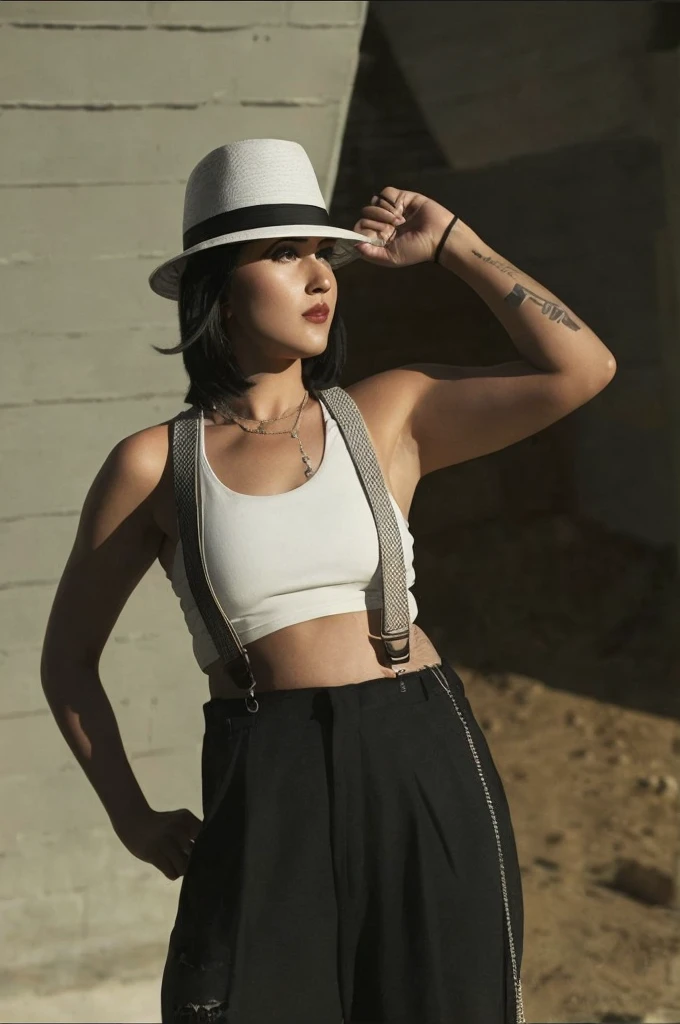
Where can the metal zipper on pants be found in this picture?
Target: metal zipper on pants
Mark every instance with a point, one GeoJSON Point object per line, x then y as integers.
{"type": "Point", "coordinates": [519, 1005]}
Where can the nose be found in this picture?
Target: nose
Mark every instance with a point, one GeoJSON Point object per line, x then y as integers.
{"type": "Point", "coordinates": [321, 279]}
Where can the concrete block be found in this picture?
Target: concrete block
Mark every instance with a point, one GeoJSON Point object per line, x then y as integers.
{"type": "Point", "coordinates": [35, 548]}
{"type": "Point", "coordinates": [603, 100]}
{"type": "Point", "coordinates": [23, 613]}
{"type": "Point", "coordinates": [235, 14]}
{"type": "Point", "coordinates": [108, 223]}
{"type": "Point", "coordinates": [63, 298]}
{"type": "Point", "coordinates": [21, 692]}
{"type": "Point", "coordinates": [94, 366]}
{"type": "Point", "coordinates": [160, 67]}
{"type": "Point", "coordinates": [149, 145]}
{"type": "Point", "coordinates": [49, 803]}
{"type": "Point", "coordinates": [549, 80]}
{"type": "Point", "coordinates": [313, 12]}
{"type": "Point", "coordinates": [37, 12]}
{"type": "Point", "coordinates": [144, 909]}
{"type": "Point", "coordinates": [41, 863]}
{"type": "Point", "coordinates": [52, 453]}
{"type": "Point", "coordinates": [119, 13]}
{"type": "Point", "coordinates": [32, 928]}
{"type": "Point", "coordinates": [509, 42]}
{"type": "Point", "coordinates": [109, 1002]}
{"type": "Point", "coordinates": [314, 65]}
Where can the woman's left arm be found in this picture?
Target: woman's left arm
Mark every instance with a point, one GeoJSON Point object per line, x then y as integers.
{"type": "Point", "coordinates": [544, 331]}
{"type": "Point", "coordinates": [451, 413]}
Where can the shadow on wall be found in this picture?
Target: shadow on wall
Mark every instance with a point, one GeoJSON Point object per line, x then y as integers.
{"type": "Point", "coordinates": [511, 577]}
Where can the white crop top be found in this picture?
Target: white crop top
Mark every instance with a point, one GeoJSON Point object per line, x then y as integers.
{"type": "Point", "coordinates": [277, 559]}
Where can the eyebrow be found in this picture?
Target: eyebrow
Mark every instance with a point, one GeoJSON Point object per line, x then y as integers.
{"type": "Point", "coordinates": [279, 240]}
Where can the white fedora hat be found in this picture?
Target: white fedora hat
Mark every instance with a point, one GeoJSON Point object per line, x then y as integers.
{"type": "Point", "coordinates": [254, 188]}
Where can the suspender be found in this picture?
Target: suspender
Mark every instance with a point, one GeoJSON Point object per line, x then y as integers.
{"type": "Point", "coordinates": [395, 612]}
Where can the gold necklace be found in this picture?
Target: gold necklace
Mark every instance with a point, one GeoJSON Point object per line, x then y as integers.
{"type": "Point", "coordinates": [293, 433]}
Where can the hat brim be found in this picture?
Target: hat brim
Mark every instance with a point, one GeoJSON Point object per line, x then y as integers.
{"type": "Point", "coordinates": [164, 280]}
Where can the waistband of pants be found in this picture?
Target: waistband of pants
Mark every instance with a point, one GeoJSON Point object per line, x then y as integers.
{"type": "Point", "coordinates": [405, 689]}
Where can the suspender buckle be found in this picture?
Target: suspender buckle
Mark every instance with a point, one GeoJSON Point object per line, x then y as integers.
{"type": "Point", "coordinates": [398, 646]}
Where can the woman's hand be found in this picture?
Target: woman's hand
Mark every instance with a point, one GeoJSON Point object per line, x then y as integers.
{"type": "Point", "coordinates": [410, 225]}
{"type": "Point", "coordinates": [162, 838]}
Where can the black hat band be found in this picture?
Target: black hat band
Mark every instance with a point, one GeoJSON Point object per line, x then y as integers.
{"type": "Point", "coordinates": [248, 217]}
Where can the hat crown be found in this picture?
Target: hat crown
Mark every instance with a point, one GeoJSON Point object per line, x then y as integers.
{"type": "Point", "coordinates": [250, 172]}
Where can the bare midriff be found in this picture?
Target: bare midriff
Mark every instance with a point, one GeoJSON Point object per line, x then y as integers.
{"type": "Point", "coordinates": [331, 651]}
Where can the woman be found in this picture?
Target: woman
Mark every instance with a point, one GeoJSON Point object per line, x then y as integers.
{"type": "Point", "coordinates": [356, 860]}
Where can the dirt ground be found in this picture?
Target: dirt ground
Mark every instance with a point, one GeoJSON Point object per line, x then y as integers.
{"type": "Point", "coordinates": [586, 736]}
{"type": "Point", "coordinates": [577, 777]}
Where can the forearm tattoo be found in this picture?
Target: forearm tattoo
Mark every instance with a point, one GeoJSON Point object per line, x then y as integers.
{"type": "Point", "coordinates": [505, 268]}
{"type": "Point", "coordinates": [520, 292]}
{"type": "Point", "coordinates": [548, 308]}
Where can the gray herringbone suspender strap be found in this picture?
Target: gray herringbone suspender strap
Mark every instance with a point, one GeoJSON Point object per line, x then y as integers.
{"type": "Point", "coordinates": [395, 612]}
{"type": "Point", "coordinates": [185, 437]}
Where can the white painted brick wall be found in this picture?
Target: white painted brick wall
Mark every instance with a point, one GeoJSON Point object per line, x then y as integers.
{"type": "Point", "coordinates": [105, 109]}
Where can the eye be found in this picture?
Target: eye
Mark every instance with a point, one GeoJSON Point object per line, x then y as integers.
{"type": "Point", "coordinates": [324, 253]}
{"type": "Point", "coordinates": [280, 253]}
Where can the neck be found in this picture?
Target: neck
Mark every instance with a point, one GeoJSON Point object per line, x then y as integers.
{"type": "Point", "coordinates": [268, 400]}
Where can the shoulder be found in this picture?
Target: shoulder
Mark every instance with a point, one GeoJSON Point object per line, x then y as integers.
{"type": "Point", "coordinates": [141, 459]}
{"type": "Point", "coordinates": [137, 474]}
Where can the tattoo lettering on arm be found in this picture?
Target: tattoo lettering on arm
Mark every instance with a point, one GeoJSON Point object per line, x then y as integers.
{"type": "Point", "coordinates": [548, 308]}
{"type": "Point", "coordinates": [505, 268]}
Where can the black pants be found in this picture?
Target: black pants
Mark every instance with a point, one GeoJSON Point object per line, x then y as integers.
{"type": "Point", "coordinates": [348, 866]}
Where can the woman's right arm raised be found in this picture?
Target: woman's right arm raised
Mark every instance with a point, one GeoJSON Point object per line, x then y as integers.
{"type": "Point", "coordinates": [117, 541]}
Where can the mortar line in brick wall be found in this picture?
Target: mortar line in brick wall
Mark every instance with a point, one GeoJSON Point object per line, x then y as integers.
{"type": "Point", "coordinates": [323, 24]}
{"type": "Point", "coordinates": [91, 184]}
{"type": "Point", "coordinates": [54, 513]}
{"type": "Point", "coordinates": [102, 107]}
{"type": "Point", "coordinates": [150, 325]}
{"type": "Point", "coordinates": [29, 260]}
{"type": "Point", "coordinates": [8, 716]}
{"type": "Point", "coordinates": [110, 105]}
{"type": "Point", "coordinates": [302, 101]}
{"type": "Point", "coordinates": [76, 26]}
{"type": "Point", "coordinates": [88, 400]}
{"type": "Point", "coordinates": [24, 584]}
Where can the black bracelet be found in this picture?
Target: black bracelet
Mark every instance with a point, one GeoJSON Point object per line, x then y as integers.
{"type": "Point", "coordinates": [443, 239]}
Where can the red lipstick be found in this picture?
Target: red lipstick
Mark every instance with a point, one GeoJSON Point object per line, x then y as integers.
{"type": "Point", "coordinates": [317, 314]}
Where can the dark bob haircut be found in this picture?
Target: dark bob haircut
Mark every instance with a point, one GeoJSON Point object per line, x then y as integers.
{"type": "Point", "coordinates": [214, 374]}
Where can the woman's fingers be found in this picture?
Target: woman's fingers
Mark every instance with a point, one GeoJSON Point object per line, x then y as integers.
{"type": "Point", "coordinates": [166, 867]}
{"type": "Point", "coordinates": [177, 855]}
{"type": "Point", "coordinates": [382, 215]}
{"type": "Point", "coordinates": [189, 827]}
{"type": "Point", "coordinates": [374, 228]}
